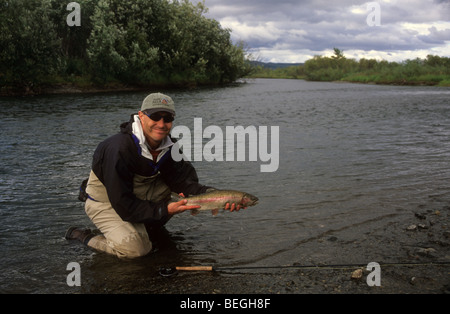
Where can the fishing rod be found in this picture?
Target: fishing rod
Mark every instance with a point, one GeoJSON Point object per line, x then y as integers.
{"type": "Point", "coordinates": [171, 271]}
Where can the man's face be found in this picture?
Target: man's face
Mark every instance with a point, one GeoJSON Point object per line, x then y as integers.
{"type": "Point", "coordinates": [155, 131]}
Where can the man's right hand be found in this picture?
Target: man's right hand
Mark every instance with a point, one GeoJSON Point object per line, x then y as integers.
{"type": "Point", "coordinates": [179, 207]}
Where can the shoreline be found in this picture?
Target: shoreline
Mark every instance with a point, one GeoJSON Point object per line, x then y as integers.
{"type": "Point", "coordinates": [387, 83]}
{"type": "Point", "coordinates": [67, 88]}
{"type": "Point", "coordinates": [74, 88]}
{"type": "Point", "coordinates": [70, 88]}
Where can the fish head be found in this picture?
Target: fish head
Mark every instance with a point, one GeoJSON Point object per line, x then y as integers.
{"type": "Point", "coordinates": [249, 200]}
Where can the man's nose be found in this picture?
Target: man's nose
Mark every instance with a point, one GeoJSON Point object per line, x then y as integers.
{"type": "Point", "coordinates": [160, 123]}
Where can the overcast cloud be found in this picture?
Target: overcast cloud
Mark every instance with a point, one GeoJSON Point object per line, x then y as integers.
{"type": "Point", "coordinates": [296, 30]}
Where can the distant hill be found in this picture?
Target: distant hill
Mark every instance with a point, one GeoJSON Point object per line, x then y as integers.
{"type": "Point", "coordinates": [272, 66]}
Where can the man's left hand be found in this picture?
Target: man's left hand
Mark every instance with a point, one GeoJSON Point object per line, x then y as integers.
{"type": "Point", "coordinates": [233, 207]}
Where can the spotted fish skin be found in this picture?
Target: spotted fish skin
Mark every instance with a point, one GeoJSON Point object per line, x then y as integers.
{"type": "Point", "coordinates": [218, 199]}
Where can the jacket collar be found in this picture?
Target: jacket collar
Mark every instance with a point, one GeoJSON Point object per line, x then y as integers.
{"type": "Point", "coordinates": [136, 130]}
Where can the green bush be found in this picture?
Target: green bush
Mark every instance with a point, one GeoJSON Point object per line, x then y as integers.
{"type": "Point", "coordinates": [136, 42]}
{"type": "Point", "coordinates": [433, 70]}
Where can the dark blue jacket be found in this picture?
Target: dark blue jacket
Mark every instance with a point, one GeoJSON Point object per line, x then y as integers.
{"type": "Point", "coordinates": [118, 158]}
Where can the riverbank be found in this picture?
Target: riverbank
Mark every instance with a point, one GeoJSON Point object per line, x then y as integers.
{"type": "Point", "coordinates": [431, 71]}
{"type": "Point", "coordinates": [70, 88]}
{"type": "Point", "coordinates": [74, 88]}
{"type": "Point", "coordinates": [134, 44]}
{"type": "Point", "coordinates": [441, 81]}
{"type": "Point", "coordinates": [427, 80]}
{"type": "Point", "coordinates": [368, 80]}
{"type": "Point", "coordinates": [63, 88]}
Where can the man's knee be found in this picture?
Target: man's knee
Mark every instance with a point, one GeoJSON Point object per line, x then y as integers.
{"type": "Point", "coordinates": [133, 246]}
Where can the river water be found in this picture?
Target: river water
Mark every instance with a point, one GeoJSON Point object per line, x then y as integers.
{"type": "Point", "coordinates": [353, 159]}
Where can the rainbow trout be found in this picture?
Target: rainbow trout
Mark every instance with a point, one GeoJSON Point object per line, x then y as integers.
{"type": "Point", "coordinates": [217, 199]}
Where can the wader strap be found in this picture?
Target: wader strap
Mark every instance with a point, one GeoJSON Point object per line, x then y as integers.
{"type": "Point", "coordinates": [91, 198]}
{"type": "Point", "coordinates": [83, 195]}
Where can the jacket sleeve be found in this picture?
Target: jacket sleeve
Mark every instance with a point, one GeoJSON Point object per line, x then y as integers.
{"type": "Point", "coordinates": [181, 177]}
{"type": "Point", "coordinates": [112, 167]}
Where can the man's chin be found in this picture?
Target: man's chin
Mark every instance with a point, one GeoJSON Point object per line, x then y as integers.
{"type": "Point", "coordinates": [158, 137]}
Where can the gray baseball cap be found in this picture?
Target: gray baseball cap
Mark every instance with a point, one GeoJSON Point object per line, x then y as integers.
{"type": "Point", "coordinates": [158, 102]}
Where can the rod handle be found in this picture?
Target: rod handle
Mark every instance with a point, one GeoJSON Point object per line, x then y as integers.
{"type": "Point", "coordinates": [195, 268]}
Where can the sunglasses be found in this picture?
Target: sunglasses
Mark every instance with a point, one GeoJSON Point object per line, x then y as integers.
{"type": "Point", "coordinates": [157, 117]}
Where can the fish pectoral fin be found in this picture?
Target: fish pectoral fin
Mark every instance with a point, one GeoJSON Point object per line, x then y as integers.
{"type": "Point", "coordinates": [195, 212]}
{"type": "Point", "coordinates": [215, 212]}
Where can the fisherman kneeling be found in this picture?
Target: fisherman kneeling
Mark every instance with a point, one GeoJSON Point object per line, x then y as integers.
{"type": "Point", "coordinates": [132, 177]}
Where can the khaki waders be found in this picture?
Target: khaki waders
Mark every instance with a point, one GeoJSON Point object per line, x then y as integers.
{"type": "Point", "coordinates": [121, 238]}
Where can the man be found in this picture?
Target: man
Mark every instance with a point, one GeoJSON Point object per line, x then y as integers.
{"type": "Point", "coordinates": [132, 177]}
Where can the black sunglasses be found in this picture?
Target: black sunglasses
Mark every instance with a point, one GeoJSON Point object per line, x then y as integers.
{"type": "Point", "coordinates": [157, 116]}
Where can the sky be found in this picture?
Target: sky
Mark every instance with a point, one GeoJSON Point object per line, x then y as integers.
{"type": "Point", "coordinates": [293, 31]}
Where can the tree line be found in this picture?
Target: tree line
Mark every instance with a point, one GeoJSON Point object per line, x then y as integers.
{"type": "Point", "coordinates": [139, 42]}
{"type": "Point", "coordinates": [432, 70]}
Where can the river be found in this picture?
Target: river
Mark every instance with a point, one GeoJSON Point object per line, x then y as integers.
{"type": "Point", "coordinates": [353, 160]}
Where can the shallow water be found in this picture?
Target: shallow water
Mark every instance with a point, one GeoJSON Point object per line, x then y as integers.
{"type": "Point", "coordinates": [353, 158]}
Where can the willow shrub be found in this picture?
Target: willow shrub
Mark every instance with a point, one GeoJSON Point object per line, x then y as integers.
{"type": "Point", "coordinates": [131, 42]}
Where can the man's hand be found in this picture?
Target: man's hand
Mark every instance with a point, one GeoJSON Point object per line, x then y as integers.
{"type": "Point", "coordinates": [179, 207]}
{"type": "Point", "coordinates": [233, 207]}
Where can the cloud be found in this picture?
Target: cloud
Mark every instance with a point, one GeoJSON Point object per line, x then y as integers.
{"type": "Point", "coordinates": [286, 30]}
{"type": "Point", "coordinates": [436, 36]}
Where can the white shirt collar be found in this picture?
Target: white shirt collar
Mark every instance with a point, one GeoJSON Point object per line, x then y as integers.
{"type": "Point", "coordinates": [139, 133]}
